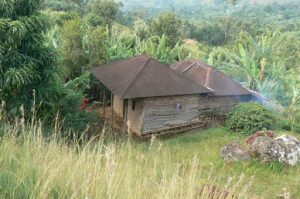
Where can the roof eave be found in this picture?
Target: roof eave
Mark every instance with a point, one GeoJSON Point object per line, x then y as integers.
{"type": "Point", "coordinates": [135, 97]}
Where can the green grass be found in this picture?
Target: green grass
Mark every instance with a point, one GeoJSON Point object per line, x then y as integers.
{"type": "Point", "coordinates": [268, 181]}
{"type": "Point", "coordinates": [32, 167]}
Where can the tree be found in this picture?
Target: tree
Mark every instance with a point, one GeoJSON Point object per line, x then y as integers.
{"type": "Point", "coordinates": [72, 49]}
{"type": "Point", "coordinates": [62, 5]}
{"type": "Point", "coordinates": [209, 33]}
{"type": "Point", "coordinates": [96, 45]}
{"type": "Point", "coordinates": [108, 10]}
{"type": "Point", "coordinates": [231, 4]}
{"type": "Point", "coordinates": [27, 65]}
{"type": "Point", "coordinates": [140, 29]}
{"type": "Point", "coordinates": [155, 46]}
{"type": "Point", "coordinates": [169, 25]}
{"type": "Point", "coordinates": [257, 61]}
{"type": "Point", "coordinates": [94, 20]}
{"type": "Point", "coordinates": [293, 97]}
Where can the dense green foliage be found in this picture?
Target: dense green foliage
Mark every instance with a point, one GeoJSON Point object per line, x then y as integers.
{"type": "Point", "coordinates": [31, 79]}
{"type": "Point", "coordinates": [211, 34]}
{"type": "Point", "coordinates": [107, 10]}
{"type": "Point", "coordinates": [46, 50]}
{"type": "Point", "coordinates": [297, 128]}
{"type": "Point", "coordinates": [167, 24]}
{"type": "Point", "coordinates": [48, 44]}
{"type": "Point", "coordinates": [27, 64]}
{"type": "Point", "coordinates": [248, 118]}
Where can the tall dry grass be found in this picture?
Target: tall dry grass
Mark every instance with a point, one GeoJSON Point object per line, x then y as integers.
{"type": "Point", "coordinates": [32, 166]}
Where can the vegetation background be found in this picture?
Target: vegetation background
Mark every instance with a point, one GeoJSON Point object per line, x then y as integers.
{"type": "Point", "coordinates": [47, 48]}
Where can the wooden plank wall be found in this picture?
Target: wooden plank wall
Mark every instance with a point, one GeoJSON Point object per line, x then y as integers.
{"type": "Point", "coordinates": [161, 112]}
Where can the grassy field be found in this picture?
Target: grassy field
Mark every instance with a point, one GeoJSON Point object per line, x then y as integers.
{"type": "Point", "coordinates": [180, 167]}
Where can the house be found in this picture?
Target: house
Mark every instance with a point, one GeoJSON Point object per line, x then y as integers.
{"type": "Point", "coordinates": [154, 98]}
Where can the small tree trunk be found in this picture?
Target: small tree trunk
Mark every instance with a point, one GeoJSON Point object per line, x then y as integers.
{"type": "Point", "coordinates": [109, 29]}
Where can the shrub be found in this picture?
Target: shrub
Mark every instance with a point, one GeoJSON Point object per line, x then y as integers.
{"type": "Point", "coordinates": [75, 120]}
{"type": "Point", "coordinates": [285, 125]}
{"type": "Point", "coordinates": [247, 118]}
{"type": "Point", "coordinates": [297, 128]}
{"type": "Point", "coordinates": [209, 33]}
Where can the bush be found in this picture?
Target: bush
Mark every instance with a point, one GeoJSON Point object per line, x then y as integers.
{"type": "Point", "coordinates": [76, 123]}
{"type": "Point", "coordinates": [212, 34]}
{"type": "Point", "coordinates": [297, 122]}
{"type": "Point", "coordinates": [297, 128]}
{"type": "Point", "coordinates": [75, 120]}
{"type": "Point", "coordinates": [248, 118]}
{"type": "Point", "coordinates": [285, 125]}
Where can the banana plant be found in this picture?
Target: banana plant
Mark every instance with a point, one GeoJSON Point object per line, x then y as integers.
{"type": "Point", "coordinates": [293, 96]}
{"type": "Point", "coordinates": [155, 46]}
{"type": "Point", "coordinates": [255, 59]}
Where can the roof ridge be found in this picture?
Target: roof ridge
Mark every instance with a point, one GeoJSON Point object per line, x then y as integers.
{"type": "Point", "coordinates": [214, 69]}
{"type": "Point", "coordinates": [189, 67]}
{"type": "Point", "coordinates": [186, 78]}
{"type": "Point", "coordinates": [208, 71]}
{"type": "Point", "coordinates": [137, 74]}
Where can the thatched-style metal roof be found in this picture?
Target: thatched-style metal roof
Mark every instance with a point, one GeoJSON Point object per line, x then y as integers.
{"type": "Point", "coordinates": [209, 77]}
{"type": "Point", "coordinates": [143, 76]}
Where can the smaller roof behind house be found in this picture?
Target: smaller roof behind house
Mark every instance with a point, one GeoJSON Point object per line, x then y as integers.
{"type": "Point", "coordinates": [209, 77]}
{"type": "Point", "coordinates": [143, 76]}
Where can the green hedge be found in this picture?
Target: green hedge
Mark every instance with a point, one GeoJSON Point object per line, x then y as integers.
{"type": "Point", "coordinates": [248, 118]}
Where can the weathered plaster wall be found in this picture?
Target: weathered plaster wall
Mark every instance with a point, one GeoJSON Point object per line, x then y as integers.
{"type": "Point", "coordinates": [135, 117]}
{"type": "Point", "coordinates": [118, 105]}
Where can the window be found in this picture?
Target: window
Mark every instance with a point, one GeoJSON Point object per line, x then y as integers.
{"type": "Point", "coordinates": [133, 105]}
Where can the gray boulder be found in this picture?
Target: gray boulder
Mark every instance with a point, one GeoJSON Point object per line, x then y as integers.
{"type": "Point", "coordinates": [284, 149]}
{"type": "Point", "coordinates": [291, 147]}
{"type": "Point", "coordinates": [234, 152]}
{"type": "Point", "coordinates": [266, 149]}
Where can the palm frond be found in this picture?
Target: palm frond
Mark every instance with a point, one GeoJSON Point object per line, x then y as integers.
{"type": "Point", "coordinates": [14, 78]}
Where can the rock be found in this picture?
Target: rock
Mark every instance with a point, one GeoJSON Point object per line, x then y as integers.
{"type": "Point", "coordinates": [251, 138]}
{"type": "Point", "coordinates": [234, 152]}
{"type": "Point", "coordinates": [284, 149]}
{"type": "Point", "coordinates": [266, 149]}
{"type": "Point", "coordinates": [291, 147]}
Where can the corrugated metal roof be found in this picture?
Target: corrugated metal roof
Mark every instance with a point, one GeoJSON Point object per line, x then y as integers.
{"type": "Point", "coordinates": [209, 77]}
{"type": "Point", "coordinates": [143, 76]}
